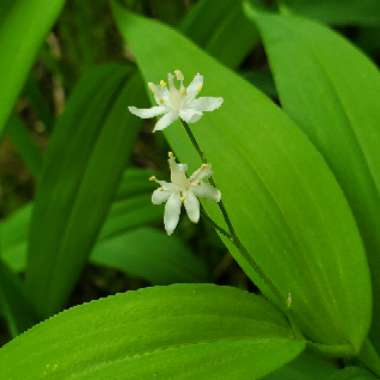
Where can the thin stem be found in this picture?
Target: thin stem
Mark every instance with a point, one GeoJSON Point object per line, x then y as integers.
{"type": "Point", "coordinates": [232, 236]}
{"type": "Point", "coordinates": [216, 226]}
{"type": "Point", "coordinates": [194, 142]}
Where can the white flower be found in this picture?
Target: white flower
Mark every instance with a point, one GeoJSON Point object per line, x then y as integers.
{"type": "Point", "coordinates": [183, 190]}
{"type": "Point", "coordinates": [174, 103]}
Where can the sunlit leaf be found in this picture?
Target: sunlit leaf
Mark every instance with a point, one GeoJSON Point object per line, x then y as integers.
{"type": "Point", "coordinates": [283, 200]}
{"type": "Point", "coordinates": [175, 332]}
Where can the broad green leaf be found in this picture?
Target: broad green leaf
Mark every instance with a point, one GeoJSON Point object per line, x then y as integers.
{"type": "Point", "coordinates": [144, 252]}
{"type": "Point", "coordinates": [352, 373]}
{"type": "Point", "coordinates": [85, 161]}
{"type": "Point", "coordinates": [25, 145]}
{"type": "Point", "coordinates": [338, 12]}
{"type": "Point", "coordinates": [263, 81]}
{"type": "Point", "coordinates": [307, 366]}
{"type": "Point", "coordinates": [22, 31]}
{"type": "Point", "coordinates": [283, 200]}
{"type": "Point", "coordinates": [152, 255]}
{"type": "Point", "coordinates": [310, 367]}
{"type": "Point", "coordinates": [14, 304]}
{"type": "Point", "coordinates": [130, 213]}
{"type": "Point", "coordinates": [174, 332]}
{"type": "Point", "coordinates": [222, 30]}
{"type": "Point", "coordinates": [135, 181]}
{"type": "Point", "coordinates": [331, 90]}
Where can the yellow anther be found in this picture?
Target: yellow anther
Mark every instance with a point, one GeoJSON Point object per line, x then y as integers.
{"type": "Point", "coordinates": [152, 178]}
{"type": "Point", "coordinates": [200, 87]}
{"type": "Point", "coordinates": [182, 90]}
{"type": "Point", "coordinates": [179, 75]}
{"type": "Point", "coordinates": [182, 198]}
{"type": "Point", "coordinates": [162, 83]}
{"type": "Point", "coordinates": [170, 154]}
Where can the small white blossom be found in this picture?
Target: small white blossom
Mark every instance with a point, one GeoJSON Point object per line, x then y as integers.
{"type": "Point", "coordinates": [174, 103]}
{"type": "Point", "coordinates": [183, 190]}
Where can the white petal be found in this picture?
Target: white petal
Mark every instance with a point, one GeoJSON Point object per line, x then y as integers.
{"type": "Point", "coordinates": [206, 104]}
{"type": "Point", "coordinates": [204, 190]}
{"type": "Point", "coordinates": [172, 213]}
{"type": "Point", "coordinates": [177, 173]}
{"type": "Point", "coordinates": [189, 115]}
{"type": "Point", "coordinates": [194, 87]}
{"type": "Point", "coordinates": [183, 167]}
{"type": "Point", "coordinates": [192, 206]}
{"type": "Point", "coordinates": [147, 113]}
{"type": "Point", "coordinates": [165, 121]}
{"type": "Point", "coordinates": [204, 172]}
{"type": "Point", "coordinates": [160, 196]}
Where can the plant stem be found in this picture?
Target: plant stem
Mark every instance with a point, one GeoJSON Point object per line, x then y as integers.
{"type": "Point", "coordinates": [216, 226]}
{"type": "Point", "coordinates": [232, 236]}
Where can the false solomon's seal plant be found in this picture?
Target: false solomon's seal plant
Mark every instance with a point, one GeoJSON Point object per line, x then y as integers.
{"type": "Point", "coordinates": [181, 103]}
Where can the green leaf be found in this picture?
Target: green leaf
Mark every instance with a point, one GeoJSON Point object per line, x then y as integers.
{"type": "Point", "coordinates": [331, 90]}
{"type": "Point", "coordinates": [144, 252]}
{"type": "Point", "coordinates": [129, 211]}
{"type": "Point", "coordinates": [338, 12]}
{"type": "Point", "coordinates": [222, 30]}
{"type": "Point", "coordinates": [86, 158]}
{"type": "Point", "coordinates": [152, 255]}
{"type": "Point", "coordinates": [283, 200]}
{"type": "Point", "coordinates": [14, 304]}
{"type": "Point", "coordinates": [307, 366]}
{"type": "Point", "coordinates": [25, 145]}
{"type": "Point", "coordinates": [352, 373]}
{"type": "Point", "coordinates": [22, 31]}
{"type": "Point", "coordinates": [175, 332]}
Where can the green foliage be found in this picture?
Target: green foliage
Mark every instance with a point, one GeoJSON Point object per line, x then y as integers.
{"type": "Point", "coordinates": [121, 244]}
{"type": "Point", "coordinates": [25, 145]}
{"type": "Point", "coordinates": [151, 255]}
{"type": "Point", "coordinates": [223, 31]}
{"type": "Point", "coordinates": [14, 304]}
{"type": "Point", "coordinates": [283, 200]}
{"type": "Point", "coordinates": [22, 31]}
{"type": "Point", "coordinates": [361, 12]}
{"type": "Point", "coordinates": [329, 88]}
{"type": "Point", "coordinates": [294, 149]}
{"type": "Point", "coordinates": [122, 337]}
{"type": "Point", "coordinates": [86, 158]}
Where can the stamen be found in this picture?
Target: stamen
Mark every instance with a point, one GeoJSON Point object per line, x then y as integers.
{"type": "Point", "coordinates": [162, 83]}
{"type": "Point", "coordinates": [171, 80]}
{"type": "Point", "coordinates": [179, 75]}
{"type": "Point", "coordinates": [200, 87]}
{"type": "Point", "coordinates": [170, 154]}
{"type": "Point", "coordinates": [153, 178]}
{"type": "Point", "coordinates": [182, 198]}
{"type": "Point", "coordinates": [152, 87]}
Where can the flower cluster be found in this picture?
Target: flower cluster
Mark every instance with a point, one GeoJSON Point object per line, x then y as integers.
{"type": "Point", "coordinates": [172, 104]}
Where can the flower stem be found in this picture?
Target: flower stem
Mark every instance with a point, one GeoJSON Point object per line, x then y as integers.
{"type": "Point", "coordinates": [232, 236]}
{"type": "Point", "coordinates": [217, 227]}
